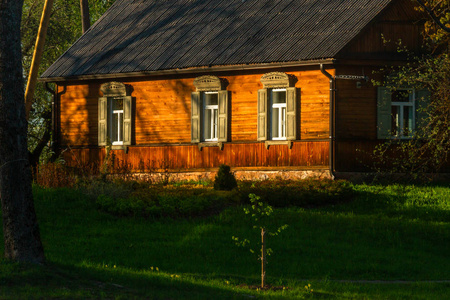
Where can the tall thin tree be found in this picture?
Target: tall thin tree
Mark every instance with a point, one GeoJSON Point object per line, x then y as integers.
{"type": "Point", "coordinates": [37, 56]}
{"type": "Point", "coordinates": [20, 228]}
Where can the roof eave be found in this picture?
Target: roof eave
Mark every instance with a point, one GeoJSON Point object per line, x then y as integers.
{"type": "Point", "coordinates": [196, 70]}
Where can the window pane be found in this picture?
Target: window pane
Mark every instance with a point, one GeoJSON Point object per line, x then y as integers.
{"type": "Point", "coordinates": [115, 128]}
{"type": "Point", "coordinates": [120, 125]}
{"type": "Point", "coordinates": [275, 122]}
{"type": "Point", "coordinates": [407, 120]}
{"type": "Point", "coordinates": [211, 99]}
{"type": "Point", "coordinates": [117, 104]}
{"type": "Point", "coordinates": [395, 119]}
{"type": "Point", "coordinates": [208, 124]}
{"type": "Point", "coordinates": [278, 97]}
{"type": "Point", "coordinates": [215, 113]}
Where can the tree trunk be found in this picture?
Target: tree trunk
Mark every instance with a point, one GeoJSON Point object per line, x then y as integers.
{"type": "Point", "coordinates": [85, 18]}
{"type": "Point", "coordinates": [263, 257]}
{"type": "Point", "coordinates": [20, 229]}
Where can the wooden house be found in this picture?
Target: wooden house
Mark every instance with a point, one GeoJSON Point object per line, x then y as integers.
{"type": "Point", "coordinates": [268, 87]}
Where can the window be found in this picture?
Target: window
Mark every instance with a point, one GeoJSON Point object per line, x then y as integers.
{"type": "Point", "coordinates": [278, 114]}
{"type": "Point", "coordinates": [115, 127]}
{"type": "Point", "coordinates": [402, 113]}
{"type": "Point", "coordinates": [114, 115]}
{"type": "Point", "coordinates": [277, 108]}
{"type": "Point", "coordinates": [399, 112]}
{"type": "Point", "coordinates": [209, 111]}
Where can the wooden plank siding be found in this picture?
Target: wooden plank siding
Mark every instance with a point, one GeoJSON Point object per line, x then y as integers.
{"type": "Point", "coordinates": [162, 123]}
{"type": "Point", "coordinates": [355, 155]}
{"type": "Point", "coordinates": [303, 155]}
{"type": "Point", "coordinates": [401, 22]}
{"type": "Point", "coordinates": [356, 106]}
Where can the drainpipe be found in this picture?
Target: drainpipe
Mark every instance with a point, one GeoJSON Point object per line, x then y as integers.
{"type": "Point", "coordinates": [54, 117]}
{"type": "Point", "coordinates": [332, 127]}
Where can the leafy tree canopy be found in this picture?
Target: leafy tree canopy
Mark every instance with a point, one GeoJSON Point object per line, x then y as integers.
{"type": "Point", "coordinates": [64, 29]}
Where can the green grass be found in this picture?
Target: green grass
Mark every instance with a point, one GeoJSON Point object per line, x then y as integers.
{"type": "Point", "coordinates": [388, 233]}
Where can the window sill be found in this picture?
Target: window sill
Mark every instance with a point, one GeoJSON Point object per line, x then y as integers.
{"type": "Point", "coordinates": [210, 144]}
{"type": "Point", "coordinates": [269, 143]}
{"type": "Point", "coordinates": [120, 147]}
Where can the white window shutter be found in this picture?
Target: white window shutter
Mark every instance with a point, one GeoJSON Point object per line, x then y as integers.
{"type": "Point", "coordinates": [384, 112]}
{"type": "Point", "coordinates": [291, 116]}
{"type": "Point", "coordinates": [223, 117]}
{"type": "Point", "coordinates": [102, 121]}
{"type": "Point", "coordinates": [195, 117]}
{"type": "Point", "coordinates": [262, 115]}
{"type": "Point", "coordinates": [127, 117]}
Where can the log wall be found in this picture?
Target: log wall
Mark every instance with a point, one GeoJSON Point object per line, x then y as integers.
{"type": "Point", "coordinates": [163, 108]}
{"type": "Point", "coordinates": [162, 111]}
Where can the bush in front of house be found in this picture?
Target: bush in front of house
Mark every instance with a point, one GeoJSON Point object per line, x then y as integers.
{"type": "Point", "coordinates": [185, 200]}
{"type": "Point", "coordinates": [302, 193]}
{"type": "Point", "coordinates": [224, 180]}
{"type": "Point", "coordinates": [157, 201]}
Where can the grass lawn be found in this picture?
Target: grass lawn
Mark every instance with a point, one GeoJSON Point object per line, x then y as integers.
{"type": "Point", "coordinates": [390, 242]}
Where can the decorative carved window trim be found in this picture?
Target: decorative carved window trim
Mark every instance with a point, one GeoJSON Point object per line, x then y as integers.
{"type": "Point", "coordinates": [207, 83]}
{"type": "Point", "coordinates": [113, 89]}
{"type": "Point", "coordinates": [275, 80]}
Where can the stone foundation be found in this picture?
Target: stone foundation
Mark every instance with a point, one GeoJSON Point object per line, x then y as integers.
{"type": "Point", "coordinates": [254, 175]}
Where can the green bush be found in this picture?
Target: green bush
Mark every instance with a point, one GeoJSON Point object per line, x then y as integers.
{"type": "Point", "coordinates": [156, 201]}
{"type": "Point", "coordinates": [127, 198]}
{"type": "Point", "coordinates": [303, 193]}
{"type": "Point", "coordinates": [224, 180]}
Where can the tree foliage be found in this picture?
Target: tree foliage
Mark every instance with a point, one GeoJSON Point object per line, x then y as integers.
{"type": "Point", "coordinates": [438, 26]}
{"type": "Point", "coordinates": [64, 29]}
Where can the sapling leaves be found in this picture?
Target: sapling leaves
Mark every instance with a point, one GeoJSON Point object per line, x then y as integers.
{"type": "Point", "coordinates": [260, 213]}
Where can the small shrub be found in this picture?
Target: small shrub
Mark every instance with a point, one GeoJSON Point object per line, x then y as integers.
{"type": "Point", "coordinates": [224, 180]}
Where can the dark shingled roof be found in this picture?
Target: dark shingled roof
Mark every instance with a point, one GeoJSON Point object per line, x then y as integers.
{"type": "Point", "coordinates": [154, 35]}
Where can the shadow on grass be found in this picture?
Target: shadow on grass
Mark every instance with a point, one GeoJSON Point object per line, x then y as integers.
{"type": "Point", "coordinates": [56, 280]}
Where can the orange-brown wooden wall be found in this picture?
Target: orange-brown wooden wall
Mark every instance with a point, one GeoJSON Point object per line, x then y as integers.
{"type": "Point", "coordinates": [162, 123]}
{"type": "Point", "coordinates": [302, 156]}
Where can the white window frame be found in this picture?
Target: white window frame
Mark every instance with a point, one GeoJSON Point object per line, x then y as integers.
{"type": "Point", "coordinates": [119, 113]}
{"type": "Point", "coordinates": [400, 120]}
{"type": "Point", "coordinates": [281, 107]}
{"type": "Point", "coordinates": [213, 122]}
